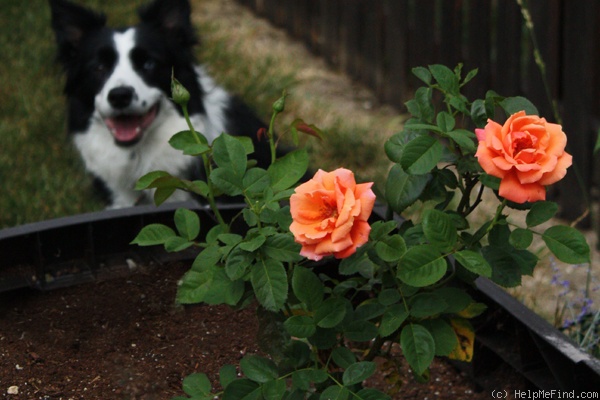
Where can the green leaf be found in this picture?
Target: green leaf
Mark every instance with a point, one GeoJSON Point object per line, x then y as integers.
{"type": "Point", "coordinates": [153, 234]}
{"type": "Point", "coordinates": [445, 121]}
{"type": "Point", "coordinates": [391, 248]}
{"type": "Point", "coordinates": [255, 181]}
{"type": "Point", "coordinates": [567, 244]}
{"type": "Point", "coordinates": [282, 247]}
{"type": "Point", "coordinates": [288, 170]}
{"type": "Point", "coordinates": [229, 154]}
{"type": "Point", "coordinates": [360, 331]}
{"type": "Point", "coordinates": [161, 194]}
{"type": "Point", "coordinates": [177, 243]}
{"type": "Point", "coordinates": [446, 78]}
{"type": "Point", "coordinates": [242, 389]}
{"type": "Point", "coordinates": [443, 335]}
{"type": "Point", "coordinates": [508, 264]}
{"type": "Point", "coordinates": [147, 180]}
{"type": "Point", "coordinates": [392, 319]}
{"type": "Point", "coordinates": [187, 223]}
{"type": "Point", "coordinates": [425, 305]}
{"type": "Point", "coordinates": [190, 144]}
{"type": "Point", "coordinates": [300, 326]}
{"type": "Point", "coordinates": [439, 229]}
{"type": "Point", "coordinates": [479, 113]}
{"type": "Point", "coordinates": [474, 262]}
{"type": "Point", "coordinates": [421, 155]}
{"type": "Point", "coordinates": [423, 74]}
{"type": "Point", "coordinates": [227, 181]}
{"type": "Point", "coordinates": [269, 281]}
{"type": "Point", "coordinates": [540, 212]}
{"type": "Point", "coordinates": [456, 299]}
{"type": "Point", "coordinates": [388, 297]}
{"type": "Point", "coordinates": [418, 347]}
{"type": "Point", "coordinates": [512, 105]}
{"type": "Point", "coordinates": [359, 262]}
{"type": "Point", "coordinates": [335, 392]}
{"type": "Point", "coordinates": [237, 263]}
{"type": "Point", "coordinates": [330, 313]}
{"type": "Point", "coordinates": [490, 181]}
{"type": "Point", "coordinates": [210, 285]}
{"type": "Point", "coordinates": [343, 357]}
{"type": "Point", "coordinates": [464, 139]}
{"type": "Point", "coordinates": [394, 147]}
{"type": "Point", "coordinates": [252, 242]}
{"type": "Point", "coordinates": [307, 287]}
{"type": "Point", "coordinates": [197, 385]}
{"type": "Point", "coordinates": [380, 229]}
{"type": "Point", "coordinates": [402, 189]}
{"type": "Point", "coordinates": [358, 372]}
{"type": "Point", "coordinates": [421, 266]}
{"type": "Point", "coordinates": [421, 106]}
{"type": "Point", "coordinates": [303, 378]}
{"type": "Point", "coordinates": [274, 390]}
{"type": "Point", "coordinates": [521, 238]}
{"type": "Point", "coordinates": [258, 369]}
{"type": "Point", "coordinates": [227, 374]}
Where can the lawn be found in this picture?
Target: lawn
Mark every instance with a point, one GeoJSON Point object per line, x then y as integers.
{"type": "Point", "coordinates": [40, 170]}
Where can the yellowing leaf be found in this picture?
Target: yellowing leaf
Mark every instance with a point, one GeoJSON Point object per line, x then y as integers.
{"type": "Point", "coordinates": [466, 339]}
{"type": "Point", "coordinates": [472, 310]}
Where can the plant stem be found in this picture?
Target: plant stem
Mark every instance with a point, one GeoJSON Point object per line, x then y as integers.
{"type": "Point", "coordinates": [207, 168]}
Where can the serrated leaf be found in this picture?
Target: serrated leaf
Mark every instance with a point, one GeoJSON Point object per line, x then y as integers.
{"type": "Point", "coordinates": [443, 335]}
{"type": "Point", "coordinates": [147, 180]}
{"type": "Point", "coordinates": [237, 263]}
{"type": "Point", "coordinates": [227, 374]}
{"type": "Point", "coordinates": [464, 139]}
{"type": "Point", "coordinates": [421, 155]}
{"type": "Point", "coordinates": [540, 212]}
{"type": "Point", "coordinates": [445, 77]}
{"type": "Point", "coordinates": [187, 223]}
{"type": "Point", "coordinates": [424, 305]}
{"type": "Point", "coordinates": [521, 238]}
{"type": "Point", "coordinates": [390, 249]}
{"type": "Point", "coordinates": [474, 262]}
{"type": "Point", "coordinates": [307, 287]}
{"type": "Point", "coordinates": [228, 182]}
{"type": "Point", "coordinates": [274, 390]}
{"type": "Point", "coordinates": [358, 372]}
{"type": "Point", "coordinates": [190, 144]}
{"type": "Point", "coordinates": [421, 106]}
{"type": "Point", "coordinates": [288, 170]}
{"type": "Point", "coordinates": [153, 234]}
{"type": "Point", "coordinates": [229, 153]}
{"type": "Point", "coordinates": [567, 244]}
{"type": "Point", "coordinates": [258, 369]}
{"type": "Point", "coordinates": [330, 313]}
{"type": "Point", "coordinates": [197, 384]}
{"type": "Point", "coordinates": [177, 243]}
{"type": "Point", "coordinates": [335, 392]}
{"type": "Point", "coordinates": [421, 266]}
{"type": "Point", "coordinates": [252, 242]}
{"type": "Point", "coordinates": [282, 247]}
{"type": "Point", "coordinates": [343, 357]}
{"type": "Point", "coordinates": [512, 105]}
{"type": "Point", "coordinates": [256, 180]}
{"type": "Point", "coordinates": [372, 394]}
{"type": "Point", "coordinates": [300, 326]}
{"type": "Point", "coordinates": [445, 121]}
{"type": "Point", "coordinates": [392, 319]}
{"type": "Point", "coordinates": [402, 189]}
{"type": "Point", "coordinates": [422, 73]}
{"type": "Point", "coordinates": [269, 281]}
{"type": "Point", "coordinates": [418, 347]}
{"type": "Point", "coordinates": [360, 331]}
{"type": "Point", "coordinates": [242, 389]}
{"type": "Point", "coordinates": [439, 229]}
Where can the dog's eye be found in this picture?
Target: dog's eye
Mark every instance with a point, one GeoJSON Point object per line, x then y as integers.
{"type": "Point", "coordinates": [149, 65]}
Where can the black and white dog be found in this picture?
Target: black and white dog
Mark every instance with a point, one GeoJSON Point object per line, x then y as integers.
{"type": "Point", "coordinates": [120, 114]}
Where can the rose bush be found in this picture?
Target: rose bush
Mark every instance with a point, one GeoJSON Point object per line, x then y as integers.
{"type": "Point", "coordinates": [330, 214]}
{"type": "Point", "coordinates": [402, 277]}
{"type": "Point", "coordinates": [526, 153]}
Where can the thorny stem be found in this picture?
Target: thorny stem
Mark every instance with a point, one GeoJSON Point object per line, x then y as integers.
{"type": "Point", "coordinates": [207, 168]}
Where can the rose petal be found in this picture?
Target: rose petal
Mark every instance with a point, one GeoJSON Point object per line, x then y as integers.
{"type": "Point", "coordinates": [513, 190]}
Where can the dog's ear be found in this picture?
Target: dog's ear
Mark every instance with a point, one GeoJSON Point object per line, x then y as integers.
{"type": "Point", "coordinates": [71, 23]}
{"type": "Point", "coordinates": [172, 17]}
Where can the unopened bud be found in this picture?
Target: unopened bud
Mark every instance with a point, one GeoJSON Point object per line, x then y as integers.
{"type": "Point", "coordinates": [180, 94]}
{"type": "Point", "coordinates": [279, 104]}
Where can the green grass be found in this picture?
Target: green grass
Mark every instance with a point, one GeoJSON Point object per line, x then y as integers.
{"type": "Point", "coordinates": [41, 173]}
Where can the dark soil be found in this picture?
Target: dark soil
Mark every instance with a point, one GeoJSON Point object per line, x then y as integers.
{"type": "Point", "coordinates": [126, 339]}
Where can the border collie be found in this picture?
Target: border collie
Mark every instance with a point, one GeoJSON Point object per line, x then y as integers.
{"type": "Point", "coordinates": [118, 81]}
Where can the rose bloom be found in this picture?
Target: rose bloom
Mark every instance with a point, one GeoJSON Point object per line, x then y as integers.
{"type": "Point", "coordinates": [330, 214]}
{"type": "Point", "coordinates": [526, 153]}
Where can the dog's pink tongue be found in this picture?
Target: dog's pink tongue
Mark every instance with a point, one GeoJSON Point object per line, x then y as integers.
{"type": "Point", "coordinates": [125, 129]}
{"type": "Point", "coordinates": [129, 128]}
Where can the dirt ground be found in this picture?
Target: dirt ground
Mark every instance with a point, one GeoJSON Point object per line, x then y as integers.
{"type": "Point", "coordinates": [126, 339]}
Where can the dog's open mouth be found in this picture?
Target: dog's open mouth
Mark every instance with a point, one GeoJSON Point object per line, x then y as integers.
{"type": "Point", "coordinates": [128, 129]}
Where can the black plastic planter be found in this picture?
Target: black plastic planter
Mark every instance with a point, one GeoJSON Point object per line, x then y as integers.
{"type": "Point", "coordinates": [89, 247]}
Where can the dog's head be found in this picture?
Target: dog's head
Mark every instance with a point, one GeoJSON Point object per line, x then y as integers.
{"type": "Point", "coordinates": [123, 75]}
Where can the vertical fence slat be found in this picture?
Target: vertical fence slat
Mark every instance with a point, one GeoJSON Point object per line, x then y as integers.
{"type": "Point", "coordinates": [379, 41]}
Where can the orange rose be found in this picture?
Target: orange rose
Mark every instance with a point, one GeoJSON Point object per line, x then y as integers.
{"type": "Point", "coordinates": [330, 214]}
{"type": "Point", "coordinates": [526, 153]}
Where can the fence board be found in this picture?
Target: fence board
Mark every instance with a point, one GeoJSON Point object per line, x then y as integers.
{"type": "Point", "coordinates": [379, 41]}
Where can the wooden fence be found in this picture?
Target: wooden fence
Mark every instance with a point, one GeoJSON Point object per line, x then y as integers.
{"type": "Point", "coordinates": [379, 41]}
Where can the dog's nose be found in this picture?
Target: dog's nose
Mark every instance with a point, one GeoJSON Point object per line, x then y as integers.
{"type": "Point", "coordinates": [120, 97]}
